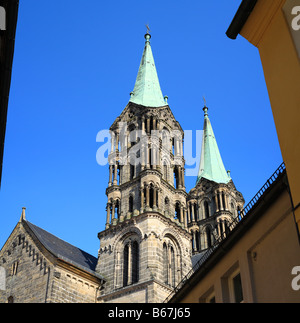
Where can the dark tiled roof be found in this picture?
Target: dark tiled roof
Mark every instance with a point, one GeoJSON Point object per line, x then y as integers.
{"type": "Point", "coordinates": [197, 257]}
{"type": "Point", "coordinates": [63, 250]}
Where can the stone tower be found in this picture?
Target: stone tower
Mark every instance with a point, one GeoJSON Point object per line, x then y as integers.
{"type": "Point", "coordinates": [145, 249]}
{"type": "Point", "coordinates": [214, 202]}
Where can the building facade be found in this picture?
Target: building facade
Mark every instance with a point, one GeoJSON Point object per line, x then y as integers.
{"type": "Point", "coordinates": [155, 230]}
{"type": "Point", "coordinates": [273, 27]}
{"type": "Point", "coordinates": [258, 262]}
{"type": "Point", "coordinates": [38, 267]}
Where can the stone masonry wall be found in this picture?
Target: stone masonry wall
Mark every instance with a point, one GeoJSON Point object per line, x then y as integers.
{"type": "Point", "coordinates": [27, 271]}
{"type": "Point", "coordinates": [67, 287]}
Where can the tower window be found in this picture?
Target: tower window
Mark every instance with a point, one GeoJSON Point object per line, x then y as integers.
{"type": "Point", "coordinates": [166, 204]}
{"type": "Point", "coordinates": [206, 210]}
{"type": "Point", "coordinates": [177, 211]}
{"type": "Point", "coordinates": [176, 177]}
{"type": "Point", "coordinates": [165, 263]}
{"type": "Point", "coordinates": [223, 201]}
{"type": "Point", "coordinates": [125, 265]}
{"type": "Point", "coordinates": [165, 171]}
{"type": "Point", "coordinates": [131, 263]}
{"type": "Point", "coordinates": [173, 276]}
{"type": "Point", "coordinates": [208, 237]}
{"type": "Point", "coordinates": [135, 262]}
{"type": "Point", "coordinates": [130, 203]}
{"type": "Point", "coordinates": [131, 171]}
{"type": "Point", "coordinates": [151, 196]}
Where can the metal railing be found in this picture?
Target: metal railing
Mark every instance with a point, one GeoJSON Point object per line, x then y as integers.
{"type": "Point", "coordinates": [233, 225]}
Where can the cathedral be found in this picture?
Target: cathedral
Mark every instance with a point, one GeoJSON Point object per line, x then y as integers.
{"type": "Point", "coordinates": [155, 230]}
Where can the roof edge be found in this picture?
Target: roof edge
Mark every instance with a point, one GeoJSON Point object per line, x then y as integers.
{"type": "Point", "coordinates": [58, 255]}
{"type": "Point", "coordinates": [240, 18]}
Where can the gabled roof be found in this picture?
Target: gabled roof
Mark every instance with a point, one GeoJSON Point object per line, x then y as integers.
{"type": "Point", "coordinates": [63, 250]}
{"type": "Point", "coordinates": [147, 91]}
{"type": "Point", "coordinates": [211, 164]}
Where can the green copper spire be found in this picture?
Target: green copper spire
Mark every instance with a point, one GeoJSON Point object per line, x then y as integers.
{"type": "Point", "coordinates": [147, 90]}
{"type": "Point", "coordinates": [211, 164]}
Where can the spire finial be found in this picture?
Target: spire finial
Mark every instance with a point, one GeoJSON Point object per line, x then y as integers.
{"type": "Point", "coordinates": [147, 36]}
{"type": "Point", "coordinates": [205, 109]}
{"type": "Point", "coordinates": [204, 101]}
{"type": "Point", "coordinates": [148, 28]}
{"type": "Point", "coordinates": [22, 218]}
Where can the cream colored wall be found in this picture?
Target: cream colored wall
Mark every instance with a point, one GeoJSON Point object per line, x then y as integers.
{"type": "Point", "coordinates": [267, 29]}
{"type": "Point", "coordinates": [264, 256]}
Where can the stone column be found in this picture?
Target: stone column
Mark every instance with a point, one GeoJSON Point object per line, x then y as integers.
{"type": "Point", "coordinates": [185, 217]}
{"type": "Point", "coordinates": [142, 151]}
{"type": "Point", "coordinates": [148, 125]}
{"type": "Point", "coordinates": [219, 227]}
{"type": "Point", "coordinates": [143, 125]}
{"type": "Point", "coordinates": [112, 145]}
{"type": "Point", "coordinates": [116, 174]}
{"type": "Point", "coordinates": [216, 201]}
{"type": "Point", "coordinates": [189, 212]}
{"type": "Point", "coordinates": [107, 215]}
{"type": "Point", "coordinates": [113, 210]}
{"type": "Point", "coordinates": [154, 198]}
{"type": "Point", "coordinates": [147, 196]}
{"type": "Point", "coordinates": [117, 142]}
{"type": "Point", "coordinates": [194, 240]}
{"type": "Point", "coordinates": [193, 215]}
{"type": "Point", "coordinates": [110, 175]}
{"type": "Point", "coordinates": [181, 214]}
{"type": "Point", "coordinates": [221, 201]}
{"type": "Point", "coordinates": [148, 157]}
{"type": "Point", "coordinates": [179, 177]}
{"type": "Point", "coordinates": [182, 176]}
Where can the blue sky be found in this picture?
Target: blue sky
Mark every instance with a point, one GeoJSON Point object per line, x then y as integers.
{"type": "Point", "coordinates": [75, 64]}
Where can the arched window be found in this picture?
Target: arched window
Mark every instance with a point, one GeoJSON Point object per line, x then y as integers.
{"type": "Point", "coordinates": [177, 211]}
{"type": "Point", "coordinates": [135, 262]}
{"type": "Point", "coordinates": [131, 263]}
{"type": "Point", "coordinates": [176, 177]}
{"type": "Point", "coordinates": [130, 203]}
{"type": "Point", "coordinates": [223, 201]}
{"type": "Point", "coordinates": [165, 175]}
{"type": "Point", "coordinates": [208, 237]}
{"type": "Point", "coordinates": [165, 263]}
{"type": "Point", "coordinates": [173, 274]}
{"type": "Point", "coordinates": [197, 240]}
{"type": "Point", "coordinates": [151, 196]}
{"type": "Point", "coordinates": [117, 208]}
{"type": "Point", "coordinates": [219, 202]}
{"type": "Point", "coordinates": [166, 204]}
{"type": "Point", "coordinates": [170, 258]}
{"type": "Point", "coordinates": [206, 210]}
{"type": "Point", "coordinates": [131, 171]}
{"type": "Point", "coordinates": [132, 135]}
{"type": "Point", "coordinates": [195, 211]}
{"type": "Point", "coordinates": [125, 264]}
{"type": "Point", "coordinates": [166, 139]}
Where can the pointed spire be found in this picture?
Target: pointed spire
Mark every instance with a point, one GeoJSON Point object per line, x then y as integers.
{"type": "Point", "coordinates": [211, 164]}
{"type": "Point", "coordinates": [147, 91]}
